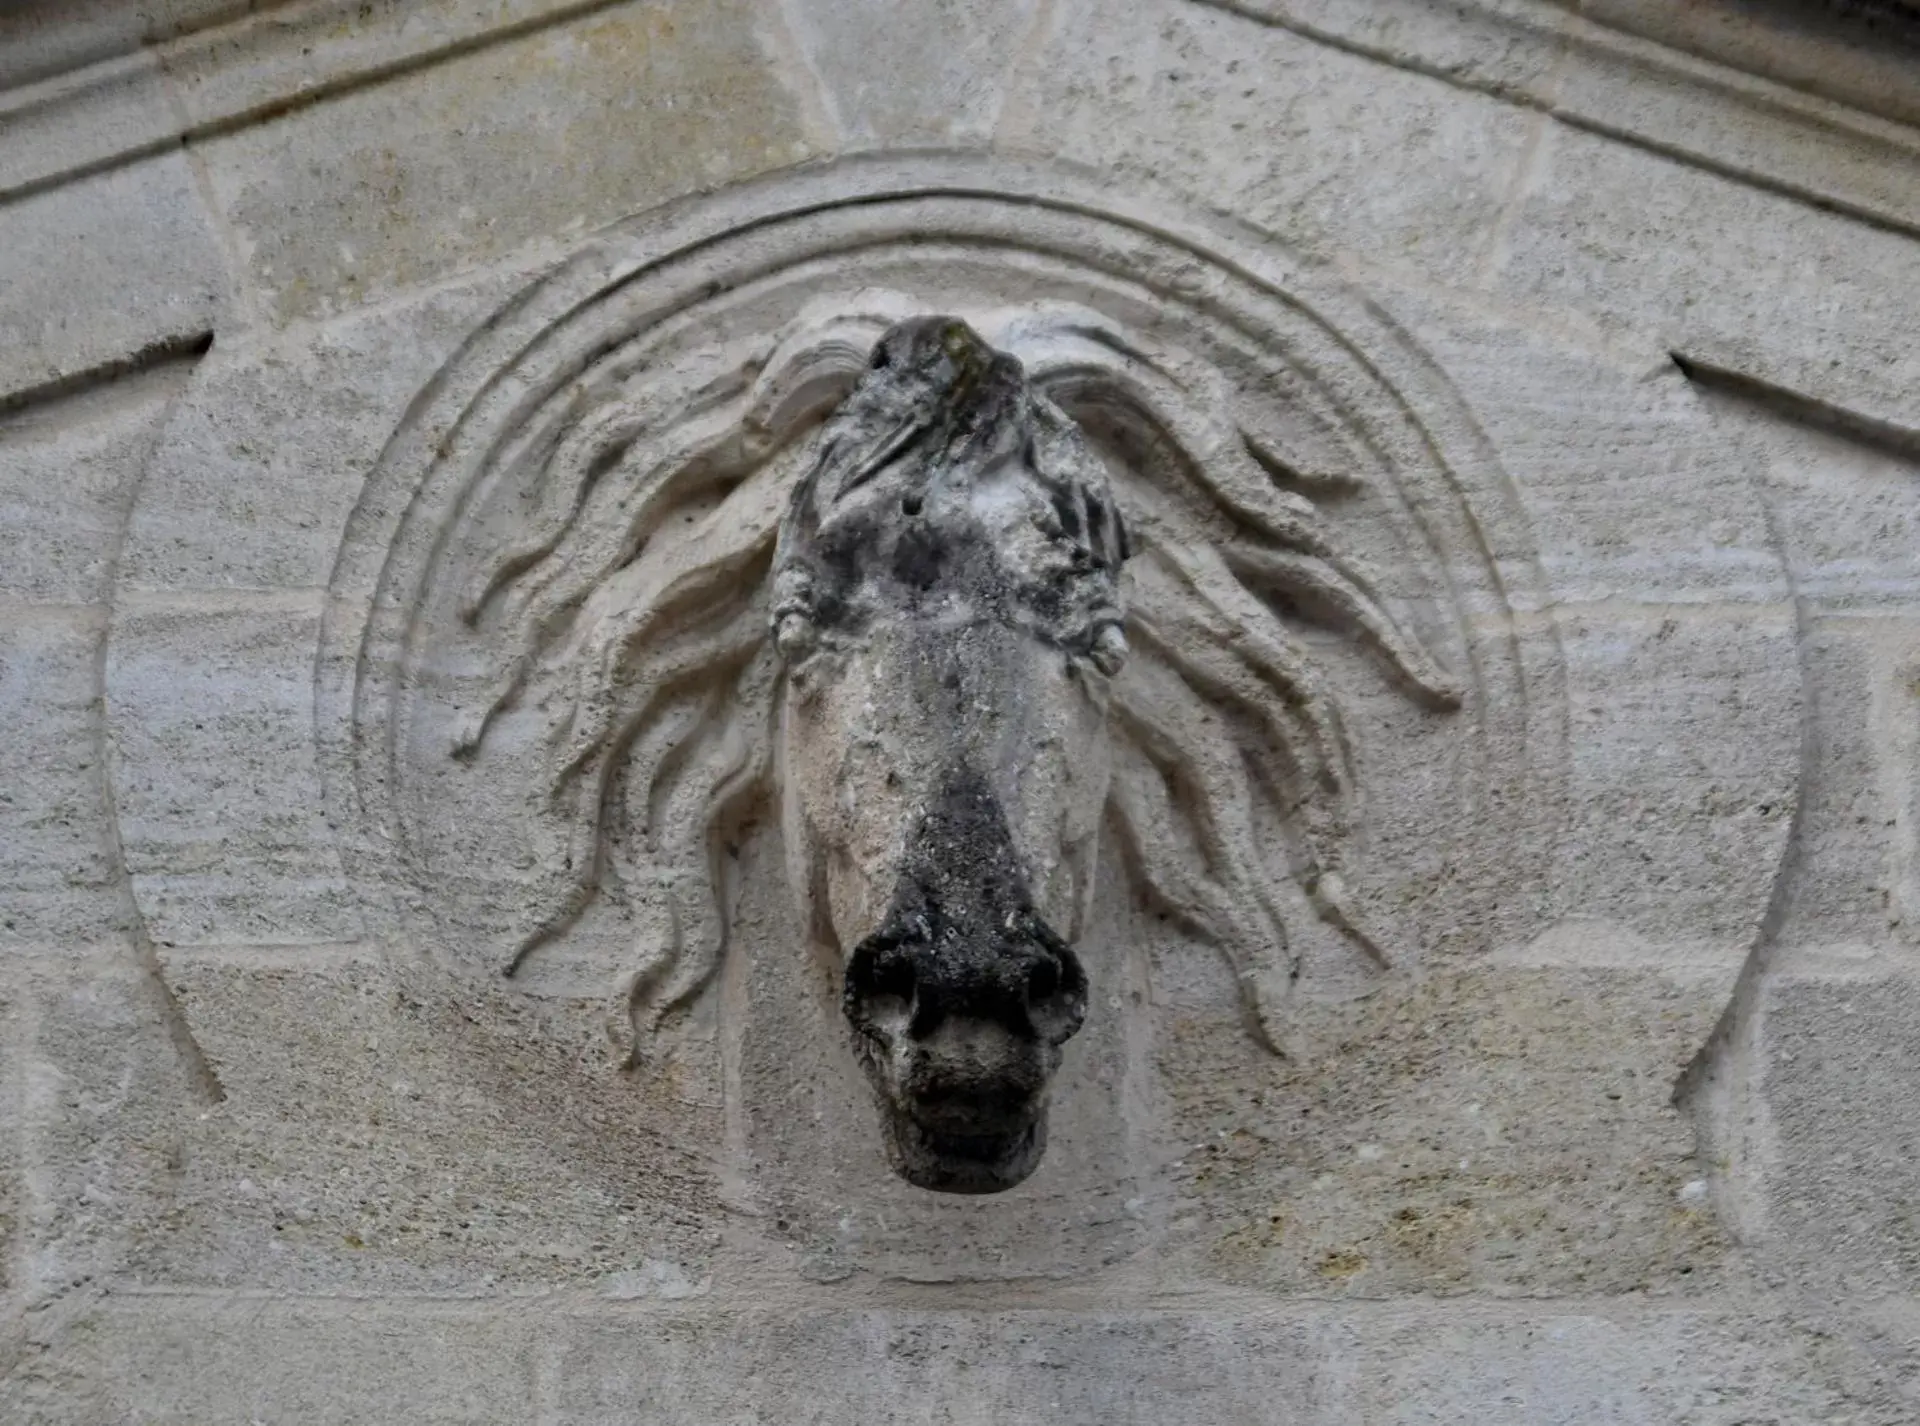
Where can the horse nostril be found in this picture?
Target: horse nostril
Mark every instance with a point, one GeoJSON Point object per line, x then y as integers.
{"type": "Point", "coordinates": [1042, 981]}
{"type": "Point", "coordinates": [881, 987]}
{"type": "Point", "coordinates": [1056, 994]}
{"type": "Point", "coordinates": [892, 976]}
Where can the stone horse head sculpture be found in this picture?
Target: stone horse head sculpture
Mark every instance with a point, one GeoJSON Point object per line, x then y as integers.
{"type": "Point", "coordinates": [945, 599]}
{"type": "Point", "coordinates": [873, 575]}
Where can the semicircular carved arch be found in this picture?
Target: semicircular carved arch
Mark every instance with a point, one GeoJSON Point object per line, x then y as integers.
{"type": "Point", "coordinates": [637, 415]}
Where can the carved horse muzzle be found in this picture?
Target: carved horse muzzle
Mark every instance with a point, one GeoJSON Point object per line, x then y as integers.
{"type": "Point", "coordinates": [945, 600]}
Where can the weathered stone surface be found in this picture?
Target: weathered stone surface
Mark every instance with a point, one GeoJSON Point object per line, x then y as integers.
{"type": "Point", "coordinates": [1680, 836]}
{"type": "Point", "coordinates": [1782, 291]}
{"type": "Point", "coordinates": [1654, 1368]}
{"type": "Point", "coordinates": [1428, 1143]}
{"type": "Point", "coordinates": [1851, 861]}
{"type": "Point", "coordinates": [515, 144]}
{"type": "Point", "coordinates": [934, 74]}
{"type": "Point", "coordinates": [107, 1107]}
{"type": "Point", "coordinates": [118, 263]}
{"type": "Point", "coordinates": [1092, 1201]}
{"type": "Point", "coordinates": [15, 1030]}
{"type": "Point", "coordinates": [412, 1007]}
{"type": "Point", "coordinates": [1854, 53]}
{"type": "Point", "coordinates": [1848, 521]}
{"type": "Point", "coordinates": [210, 1361]}
{"type": "Point", "coordinates": [1603, 80]}
{"type": "Point", "coordinates": [381, 1131]}
{"type": "Point", "coordinates": [252, 479]}
{"type": "Point", "coordinates": [1839, 1130]}
{"type": "Point", "coordinates": [210, 709]}
{"type": "Point", "coordinates": [214, 1361]}
{"type": "Point", "coordinates": [1635, 494]}
{"type": "Point", "coordinates": [1333, 151]}
{"type": "Point", "coordinates": [68, 470]}
{"type": "Point", "coordinates": [41, 38]}
{"type": "Point", "coordinates": [61, 886]}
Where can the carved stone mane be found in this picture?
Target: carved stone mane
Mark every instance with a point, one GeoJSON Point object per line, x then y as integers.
{"type": "Point", "coordinates": [941, 710]}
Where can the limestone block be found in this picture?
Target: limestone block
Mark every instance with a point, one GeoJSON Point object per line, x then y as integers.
{"type": "Point", "coordinates": [1498, 46]}
{"type": "Point", "coordinates": [409, 179]}
{"type": "Point", "coordinates": [287, 54]}
{"type": "Point", "coordinates": [1848, 520]}
{"type": "Point", "coordinates": [58, 882]}
{"type": "Point", "coordinates": [38, 38]}
{"type": "Point", "coordinates": [1653, 536]}
{"type": "Point", "coordinates": [1504, 1128]}
{"type": "Point", "coordinates": [1616, 87]}
{"type": "Point", "coordinates": [1328, 149]}
{"type": "Point", "coordinates": [106, 1102]}
{"type": "Point", "coordinates": [1838, 1169]}
{"type": "Point", "coordinates": [71, 122]}
{"type": "Point", "coordinates": [933, 74]}
{"type": "Point", "coordinates": [119, 262]}
{"type": "Point", "coordinates": [1851, 858]}
{"type": "Point", "coordinates": [1581, 70]}
{"type": "Point", "coordinates": [1837, 51]}
{"type": "Point", "coordinates": [1783, 291]}
{"type": "Point", "coordinates": [1685, 737]}
{"type": "Point", "coordinates": [1839, 1062]}
{"type": "Point", "coordinates": [1592, 1366]}
{"type": "Point", "coordinates": [1487, 1367]}
{"type": "Point", "coordinates": [918, 1366]}
{"type": "Point", "coordinates": [385, 1131]}
{"type": "Point", "coordinates": [210, 707]}
{"type": "Point", "coordinates": [213, 1361]}
{"type": "Point", "coordinates": [14, 1030]}
{"type": "Point", "coordinates": [1632, 491]}
{"type": "Point", "coordinates": [255, 475]}
{"type": "Point", "coordinates": [198, 1361]}
{"type": "Point", "coordinates": [67, 475]}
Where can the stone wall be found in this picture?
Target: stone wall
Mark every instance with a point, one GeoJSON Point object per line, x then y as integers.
{"type": "Point", "coordinates": [1590, 328]}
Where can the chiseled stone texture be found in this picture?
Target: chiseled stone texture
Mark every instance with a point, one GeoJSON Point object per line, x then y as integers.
{"type": "Point", "coordinates": [209, 707]}
{"type": "Point", "coordinates": [61, 881]}
{"type": "Point", "coordinates": [68, 472]}
{"type": "Point", "coordinates": [1629, 1136]}
{"type": "Point", "coordinates": [1779, 289]}
{"type": "Point", "coordinates": [106, 1108]}
{"type": "Point", "coordinates": [263, 457]}
{"type": "Point", "coordinates": [376, 1134]}
{"type": "Point", "coordinates": [104, 267]}
{"type": "Point", "coordinates": [525, 141]}
{"type": "Point", "coordinates": [1334, 151]}
{"type": "Point", "coordinates": [1502, 1131]}
{"type": "Point", "coordinates": [931, 74]}
{"type": "Point", "coordinates": [217, 1361]}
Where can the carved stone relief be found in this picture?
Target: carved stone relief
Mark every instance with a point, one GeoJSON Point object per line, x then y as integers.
{"type": "Point", "coordinates": [1278, 768]}
{"type": "Point", "coordinates": [989, 549]}
{"type": "Point", "coordinates": [847, 522]}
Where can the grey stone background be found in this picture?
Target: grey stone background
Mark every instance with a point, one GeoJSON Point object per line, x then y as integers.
{"type": "Point", "coordinates": [1666, 258]}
